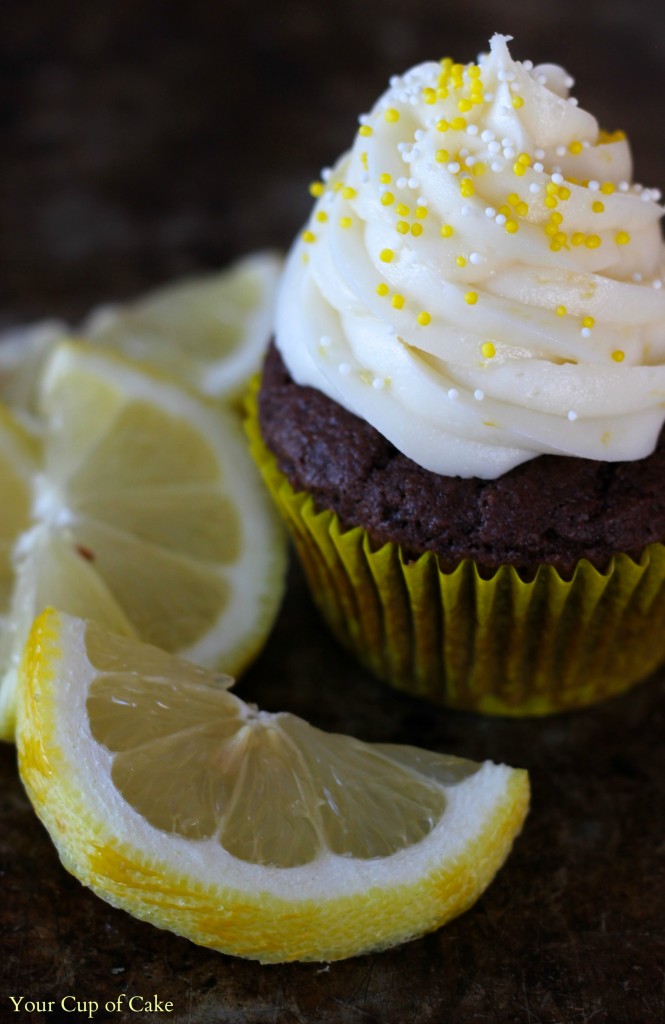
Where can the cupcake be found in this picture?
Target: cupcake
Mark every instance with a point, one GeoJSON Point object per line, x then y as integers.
{"type": "Point", "coordinates": [460, 415]}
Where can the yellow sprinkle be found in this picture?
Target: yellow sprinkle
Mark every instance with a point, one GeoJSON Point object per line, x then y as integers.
{"type": "Point", "coordinates": [519, 169]}
{"type": "Point", "coordinates": [460, 261]}
{"type": "Point", "coordinates": [317, 188]}
{"type": "Point", "coordinates": [391, 115]}
{"type": "Point", "coordinates": [464, 106]}
{"type": "Point", "coordinates": [578, 238]}
{"type": "Point", "coordinates": [345, 222]}
{"type": "Point", "coordinates": [348, 192]}
{"type": "Point", "coordinates": [564, 193]}
{"type": "Point", "coordinates": [397, 301]}
{"type": "Point", "coordinates": [560, 310]}
{"type": "Point", "coordinates": [518, 102]}
{"type": "Point", "coordinates": [416, 229]}
{"type": "Point", "coordinates": [592, 241]}
{"type": "Point", "coordinates": [322, 216]}
{"type": "Point", "coordinates": [505, 210]}
{"type": "Point", "coordinates": [551, 202]}
{"type": "Point", "coordinates": [386, 255]}
{"type": "Point", "coordinates": [552, 189]}
{"type": "Point", "coordinates": [607, 188]}
{"type": "Point", "coordinates": [618, 356]}
{"type": "Point", "coordinates": [365, 130]}
{"type": "Point", "coordinates": [598, 207]}
{"type": "Point", "coordinates": [424, 318]}
{"type": "Point", "coordinates": [441, 93]}
{"type": "Point", "coordinates": [525, 159]}
{"type": "Point", "coordinates": [511, 226]}
{"type": "Point", "coordinates": [550, 230]}
{"type": "Point", "coordinates": [447, 230]}
{"type": "Point", "coordinates": [575, 148]}
{"type": "Point", "coordinates": [466, 188]}
{"type": "Point", "coordinates": [363, 160]}
{"type": "Point", "coordinates": [555, 246]}
{"type": "Point", "coordinates": [429, 95]}
{"type": "Point", "coordinates": [473, 71]}
{"type": "Point", "coordinates": [421, 212]}
{"type": "Point", "coordinates": [588, 321]}
{"type": "Point", "coordinates": [488, 350]}
{"type": "Point", "coordinates": [521, 209]}
{"type": "Point", "coordinates": [382, 289]}
{"type": "Point", "coordinates": [385, 179]}
{"type": "Point", "coordinates": [442, 156]}
{"type": "Point", "coordinates": [387, 198]}
{"type": "Point", "coordinates": [622, 238]}
{"type": "Point", "coordinates": [308, 236]}
{"type": "Point", "coordinates": [471, 298]}
{"type": "Point", "coordinates": [513, 199]}
{"type": "Point", "coordinates": [556, 217]}
{"type": "Point", "coordinates": [402, 209]}
{"type": "Point", "coordinates": [336, 186]}
{"type": "Point", "coordinates": [458, 124]}
{"type": "Point", "coordinates": [402, 226]}
{"type": "Point", "coordinates": [442, 125]}
{"type": "Point", "coordinates": [479, 168]}
{"type": "Point", "coordinates": [561, 237]}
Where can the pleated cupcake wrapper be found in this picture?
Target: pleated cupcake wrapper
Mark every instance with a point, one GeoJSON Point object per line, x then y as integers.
{"type": "Point", "coordinates": [501, 645]}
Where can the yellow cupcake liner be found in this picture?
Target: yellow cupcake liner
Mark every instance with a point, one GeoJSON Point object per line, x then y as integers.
{"type": "Point", "coordinates": [501, 645]}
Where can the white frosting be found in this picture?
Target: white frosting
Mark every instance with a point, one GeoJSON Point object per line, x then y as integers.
{"type": "Point", "coordinates": [545, 317]}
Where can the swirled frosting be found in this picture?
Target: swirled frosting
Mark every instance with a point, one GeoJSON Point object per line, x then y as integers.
{"type": "Point", "coordinates": [479, 277]}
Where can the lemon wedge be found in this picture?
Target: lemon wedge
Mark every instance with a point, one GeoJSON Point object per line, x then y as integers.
{"type": "Point", "coordinates": [252, 833]}
{"type": "Point", "coordinates": [211, 331]}
{"type": "Point", "coordinates": [19, 461]}
{"type": "Point", "coordinates": [208, 331]}
{"type": "Point", "coordinates": [146, 515]}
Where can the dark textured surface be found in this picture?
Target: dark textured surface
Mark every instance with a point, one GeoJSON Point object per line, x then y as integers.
{"type": "Point", "coordinates": [552, 510]}
{"type": "Point", "coordinates": [143, 140]}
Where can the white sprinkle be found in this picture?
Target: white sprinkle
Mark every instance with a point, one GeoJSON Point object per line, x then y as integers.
{"type": "Point", "coordinates": [325, 173]}
{"type": "Point", "coordinates": [538, 167]}
{"type": "Point", "coordinates": [488, 97]}
{"type": "Point", "coordinates": [378, 383]}
{"type": "Point", "coordinates": [494, 148]}
{"type": "Point", "coordinates": [487, 135]}
{"type": "Point", "coordinates": [506, 142]}
{"type": "Point", "coordinates": [586, 144]}
{"type": "Point", "coordinates": [454, 168]}
{"type": "Point", "coordinates": [478, 395]}
{"type": "Point", "coordinates": [646, 196]}
{"type": "Point", "coordinates": [637, 278]}
{"type": "Point", "coordinates": [363, 119]}
{"type": "Point", "coordinates": [573, 101]}
{"type": "Point", "coordinates": [569, 82]}
{"type": "Point", "coordinates": [472, 129]}
{"type": "Point", "coordinates": [557, 179]}
{"type": "Point", "coordinates": [401, 146]}
{"type": "Point", "coordinates": [556, 169]}
{"type": "Point", "coordinates": [394, 81]}
{"type": "Point", "coordinates": [490, 211]}
{"type": "Point", "coordinates": [657, 283]}
{"type": "Point", "coordinates": [539, 153]}
{"type": "Point", "coordinates": [419, 134]}
{"type": "Point", "coordinates": [453, 393]}
{"type": "Point", "coordinates": [475, 258]}
{"type": "Point", "coordinates": [527, 65]}
{"type": "Point", "coordinates": [656, 194]}
{"type": "Point", "coordinates": [534, 187]}
{"type": "Point", "coordinates": [325, 341]}
{"type": "Point", "coordinates": [496, 166]}
{"type": "Point", "coordinates": [413, 183]}
{"type": "Point", "coordinates": [470, 161]}
{"type": "Point", "coordinates": [623, 186]}
{"type": "Point", "coordinates": [466, 210]}
{"type": "Point", "coordinates": [594, 186]}
{"type": "Point", "coordinates": [500, 219]}
{"type": "Point", "coordinates": [509, 153]}
{"type": "Point", "coordinates": [572, 415]}
{"type": "Point", "coordinates": [501, 76]}
{"type": "Point", "coordinates": [560, 150]}
{"type": "Point", "coordinates": [421, 201]}
{"type": "Point", "coordinates": [464, 152]}
{"type": "Point", "coordinates": [401, 183]}
{"type": "Point", "coordinates": [344, 369]}
{"type": "Point", "coordinates": [586, 332]}
{"type": "Point", "coordinates": [430, 122]}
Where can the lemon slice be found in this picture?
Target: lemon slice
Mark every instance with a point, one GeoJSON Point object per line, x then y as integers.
{"type": "Point", "coordinates": [19, 460]}
{"type": "Point", "coordinates": [147, 516]}
{"type": "Point", "coordinates": [252, 833]}
{"type": "Point", "coordinates": [210, 331]}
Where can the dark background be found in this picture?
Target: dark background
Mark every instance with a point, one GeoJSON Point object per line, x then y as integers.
{"type": "Point", "coordinates": [140, 141]}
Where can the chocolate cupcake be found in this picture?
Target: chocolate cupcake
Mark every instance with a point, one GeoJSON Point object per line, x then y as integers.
{"type": "Point", "coordinates": [460, 416]}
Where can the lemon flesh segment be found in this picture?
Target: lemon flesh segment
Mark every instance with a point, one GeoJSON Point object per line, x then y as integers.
{"type": "Point", "coordinates": [252, 833]}
{"type": "Point", "coordinates": [147, 516]}
{"type": "Point", "coordinates": [211, 331]}
{"type": "Point", "coordinates": [19, 458]}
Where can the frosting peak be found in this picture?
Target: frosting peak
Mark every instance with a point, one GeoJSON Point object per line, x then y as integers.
{"type": "Point", "coordinates": [479, 279]}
